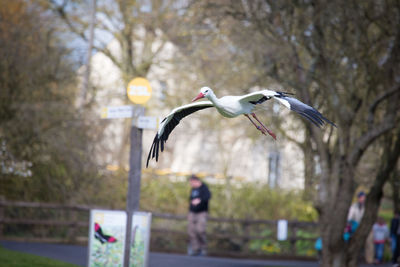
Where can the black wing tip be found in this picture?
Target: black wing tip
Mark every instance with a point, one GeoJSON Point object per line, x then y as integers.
{"type": "Point", "coordinates": [308, 112]}
{"type": "Point", "coordinates": [322, 118]}
{"type": "Point", "coordinates": [317, 118]}
{"type": "Point", "coordinates": [328, 121]}
{"type": "Point", "coordinates": [153, 150]}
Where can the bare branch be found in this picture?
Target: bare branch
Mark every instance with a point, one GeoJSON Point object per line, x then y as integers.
{"type": "Point", "coordinates": [367, 138]}
{"type": "Point", "coordinates": [372, 108]}
{"type": "Point", "coordinates": [108, 53]}
{"type": "Point", "coordinates": [60, 10]}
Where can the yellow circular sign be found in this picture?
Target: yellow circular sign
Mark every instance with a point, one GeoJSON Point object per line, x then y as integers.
{"type": "Point", "coordinates": [139, 90]}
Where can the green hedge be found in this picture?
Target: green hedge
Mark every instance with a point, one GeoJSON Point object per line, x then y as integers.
{"type": "Point", "coordinates": [241, 200]}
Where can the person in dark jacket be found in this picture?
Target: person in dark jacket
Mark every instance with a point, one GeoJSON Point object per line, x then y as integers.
{"type": "Point", "coordinates": [197, 218]}
{"type": "Point", "coordinates": [395, 233]}
{"type": "Point", "coordinates": [394, 225]}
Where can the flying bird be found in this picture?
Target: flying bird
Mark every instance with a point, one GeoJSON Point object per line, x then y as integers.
{"type": "Point", "coordinates": [230, 107]}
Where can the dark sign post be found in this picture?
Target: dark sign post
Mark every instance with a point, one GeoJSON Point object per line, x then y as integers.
{"type": "Point", "coordinates": [135, 170]}
{"type": "Point", "coordinates": [139, 92]}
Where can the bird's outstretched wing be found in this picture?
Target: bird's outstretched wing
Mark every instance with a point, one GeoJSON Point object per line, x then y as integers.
{"type": "Point", "coordinates": [170, 122]}
{"type": "Point", "coordinates": [258, 97]}
{"type": "Point", "coordinates": [291, 103]}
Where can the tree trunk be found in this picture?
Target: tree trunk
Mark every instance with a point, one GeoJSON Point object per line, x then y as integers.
{"type": "Point", "coordinates": [336, 252]}
{"type": "Point", "coordinates": [333, 216]}
{"type": "Point", "coordinates": [334, 258]}
{"type": "Point", "coordinates": [395, 184]}
{"type": "Point", "coordinates": [332, 254]}
{"type": "Point", "coordinates": [309, 169]}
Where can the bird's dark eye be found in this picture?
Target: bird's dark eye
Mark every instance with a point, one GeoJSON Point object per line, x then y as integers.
{"type": "Point", "coordinates": [206, 91]}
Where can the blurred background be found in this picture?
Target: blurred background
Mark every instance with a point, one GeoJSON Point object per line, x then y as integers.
{"type": "Point", "coordinates": [62, 61]}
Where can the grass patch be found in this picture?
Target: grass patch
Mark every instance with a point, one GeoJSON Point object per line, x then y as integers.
{"type": "Point", "coordinates": [12, 258]}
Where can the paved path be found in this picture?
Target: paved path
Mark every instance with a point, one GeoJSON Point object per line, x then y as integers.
{"type": "Point", "coordinates": [78, 255]}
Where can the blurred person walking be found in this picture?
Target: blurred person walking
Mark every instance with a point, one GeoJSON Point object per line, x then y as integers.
{"type": "Point", "coordinates": [394, 225]}
{"type": "Point", "coordinates": [197, 217]}
{"type": "Point", "coordinates": [381, 234]}
{"type": "Point", "coordinates": [396, 231]}
{"type": "Point", "coordinates": [354, 217]}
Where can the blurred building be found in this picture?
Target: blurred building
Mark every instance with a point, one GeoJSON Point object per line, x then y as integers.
{"type": "Point", "coordinates": [192, 147]}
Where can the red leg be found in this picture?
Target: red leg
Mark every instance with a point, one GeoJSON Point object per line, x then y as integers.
{"type": "Point", "coordinates": [257, 126]}
{"type": "Point", "coordinates": [268, 131]}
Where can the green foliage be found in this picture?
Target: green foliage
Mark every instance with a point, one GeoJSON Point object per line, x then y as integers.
{"type": "Point", "coordinates": [162, 195]}
{"type": "Point", "coordinates": [138, 250]}
{"type": "Point", "coordinates": [107, 254]}
{"type": "Point", "coordinates": [306, 247]}
{"type": "Point", "coordinates": [232, 200]}
{"type": "Point", "coordinates": [17, 259]}
{"type": "Point", "coordinates": [258, 201]}
{"type": "Point", "coordinates": [242, 200]}
{"type": "Point", "coordinates": [269, 246]}
{"type": "Point", "coordinates": [41, 130]}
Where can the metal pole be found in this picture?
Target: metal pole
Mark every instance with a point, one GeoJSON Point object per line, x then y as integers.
{"type": "Point", "coordinates": [135, 171]}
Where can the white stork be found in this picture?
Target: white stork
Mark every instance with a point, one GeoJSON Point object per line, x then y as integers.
{"type": "Point", "coordinates": [230, 107]}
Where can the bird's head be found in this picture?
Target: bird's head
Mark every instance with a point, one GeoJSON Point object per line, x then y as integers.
{"type": "Point", "coordinates": [204, 92]}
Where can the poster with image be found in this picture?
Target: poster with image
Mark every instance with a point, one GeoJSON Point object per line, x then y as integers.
{"type": "Point", "coordinates": [141, 226]}
{"type": "Point", "coordinates": [106, 238]}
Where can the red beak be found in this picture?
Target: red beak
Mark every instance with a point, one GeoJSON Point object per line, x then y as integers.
{"type": "Point", "coordinates": [200, 95]}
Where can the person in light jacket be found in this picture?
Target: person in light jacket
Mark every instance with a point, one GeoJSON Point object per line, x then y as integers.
{"type": "Point", "coordinates": [354, 217]}
{"type": "Point", "coordinates": [381, 235]}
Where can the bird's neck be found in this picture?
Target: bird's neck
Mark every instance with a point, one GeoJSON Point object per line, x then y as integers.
{"type": "Point", "coordinates": [213, 98]}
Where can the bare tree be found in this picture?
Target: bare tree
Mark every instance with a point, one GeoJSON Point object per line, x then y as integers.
{"type": "Point", "coordinates": [136, 28]}
{"type": "Point", "coordinates": [343, 57]}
